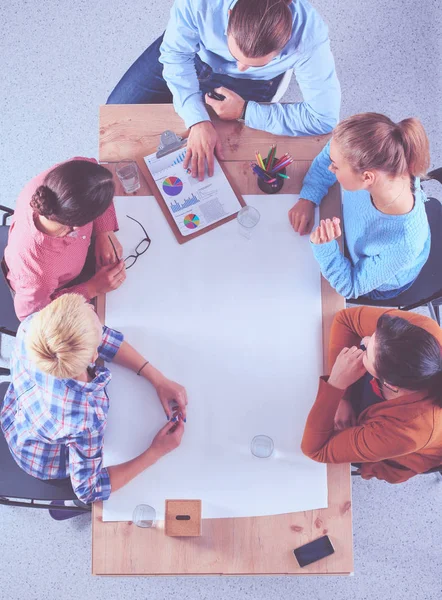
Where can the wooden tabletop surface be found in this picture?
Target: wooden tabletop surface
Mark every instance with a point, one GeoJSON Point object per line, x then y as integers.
{"type": "Point", "coordinates": [255, 545]}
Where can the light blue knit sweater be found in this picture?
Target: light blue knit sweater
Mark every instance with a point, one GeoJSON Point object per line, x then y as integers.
{"type": "Point", "coordinates": [387, 251]}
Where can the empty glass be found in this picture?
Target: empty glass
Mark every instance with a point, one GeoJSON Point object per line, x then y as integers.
{"type": "Point", "coordinates": [144, 516]}
{"type": "Point", "coordinates": [127, 173]}
{"type": "Point", "coordinates": [262, 446]}
{"type": "Point", "coordinates": [248, 218]}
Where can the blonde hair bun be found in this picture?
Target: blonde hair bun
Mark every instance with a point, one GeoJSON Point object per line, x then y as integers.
{"type": "Point", "coordinates": [63, 337]}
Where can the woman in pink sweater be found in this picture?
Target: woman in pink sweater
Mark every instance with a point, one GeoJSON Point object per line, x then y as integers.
{"type": "Point", "coordinates": [57, 215]}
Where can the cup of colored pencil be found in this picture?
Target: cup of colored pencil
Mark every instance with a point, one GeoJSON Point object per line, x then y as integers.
{"type": "Point", "coordinates": [271, 171]}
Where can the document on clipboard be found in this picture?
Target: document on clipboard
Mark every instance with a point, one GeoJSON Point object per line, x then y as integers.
{"type": "Point", "coordinates": [191, 206]}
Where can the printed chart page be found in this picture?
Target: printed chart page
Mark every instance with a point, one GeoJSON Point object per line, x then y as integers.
{"type": "Point", "coordinates": [193, 204]}
{"type": "Point", "coordinates": [238, 322]}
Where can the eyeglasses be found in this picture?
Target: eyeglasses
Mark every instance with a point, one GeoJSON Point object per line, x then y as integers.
{"type": "Point", "coordinates": [142, 247]}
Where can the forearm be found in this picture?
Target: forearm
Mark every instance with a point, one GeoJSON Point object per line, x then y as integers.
{"type": "Point", "coordinates": [338, 270]}
{"type": "Point", "coordinates": [350, 326]}
{"type": "Point", "coordinates": [319, 178]}
{"type": "Point", "coordinates": [131, 359]}
{"type": "Point", "coordinates": [319, 427]}
{"type": "Point", "coordinates": [292, 119]}
{"type": "Point", "coordinates": [121, 474]}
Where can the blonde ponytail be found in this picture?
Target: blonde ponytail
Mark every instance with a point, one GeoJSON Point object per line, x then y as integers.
{"type": "Point", "coordinates": [63, 337]}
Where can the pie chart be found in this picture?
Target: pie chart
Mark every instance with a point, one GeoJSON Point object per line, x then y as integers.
{"type": "Point", "coordinates": [191, 221]}
{"type": "Point", "coordinates": [172, 186]}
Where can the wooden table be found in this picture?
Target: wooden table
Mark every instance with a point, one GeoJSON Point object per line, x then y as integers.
{"type": "Point", "coordinates": [256, 545]}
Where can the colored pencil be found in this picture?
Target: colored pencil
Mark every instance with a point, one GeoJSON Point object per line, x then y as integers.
{"type": "Point", "coordinates": [258, 160]}
{"type": "Point", "coordinates": [268, 169]}
{"type": "Point", "coordinates": [281, 160]}
{"type": "Point", "coordinates": [281, 166]}
{"type": "Point", "coordinates": [267, 162]}
{"type": "Point", "coordinates": [263, 174]}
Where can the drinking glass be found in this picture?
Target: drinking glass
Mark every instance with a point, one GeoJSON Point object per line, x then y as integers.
{"type": "Point", "coordinates": [248, 218]}
{"type": "Point", "coordinates": [127, 173]}
{"type": "Point", "coordinates": [262, 446]}
{"type": "Point", "coordinates": [144, 516]}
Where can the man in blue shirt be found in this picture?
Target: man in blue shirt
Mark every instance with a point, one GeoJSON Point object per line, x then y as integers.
{"type": "Point", "coordinates": [241, 49]}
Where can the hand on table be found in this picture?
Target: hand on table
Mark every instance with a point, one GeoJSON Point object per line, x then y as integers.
{"type": "Point", "coordinates": [106, 279]}
{"type": "Point", "coordinates": [327, 231]}
{"type": "Point", "coordinates": [348, 368]}
{"type": "Point", "coordinates": [302, 216]}
{"type": "Point", "coordinates": [170, 392]}
{"type": "Point", "coordinates": [168, 438]}
{"type": "Point", "coordinates": [230, 108]}
{"type": "Point", "coordinates": [203, 142]}
{"type": "Point", "coordinates": [104, 252]}
{"type": "Point", "coordinates": [345, 416]}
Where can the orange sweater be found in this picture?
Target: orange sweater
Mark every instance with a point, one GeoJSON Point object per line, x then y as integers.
{"type": "Point", "coordinates": [404, 431]}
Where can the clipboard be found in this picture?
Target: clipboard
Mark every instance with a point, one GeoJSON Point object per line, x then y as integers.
{"type": "Point", "coordinates": [170, 142]}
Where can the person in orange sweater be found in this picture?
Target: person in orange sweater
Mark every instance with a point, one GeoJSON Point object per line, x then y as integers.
{"type": "Point", "coordinates": [381, 406]}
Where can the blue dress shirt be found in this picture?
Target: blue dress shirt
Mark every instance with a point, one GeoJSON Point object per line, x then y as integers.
{"type": "Point", "coordinates": [200, 27]}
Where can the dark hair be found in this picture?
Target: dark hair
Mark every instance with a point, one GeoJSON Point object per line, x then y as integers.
{"type": "Point", "coordinates": [74, 193]}
{"type": "Point", "coordinates": [408, 356]}
{"type": "Point", "coordinates": [260, 27]}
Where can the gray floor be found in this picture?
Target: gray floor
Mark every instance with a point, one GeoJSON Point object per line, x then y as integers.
{"type": "Point", "coordinates": [60, 59]}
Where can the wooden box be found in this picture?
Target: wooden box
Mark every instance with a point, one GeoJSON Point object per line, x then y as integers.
{"type": "Point", "coordinates": [183, 518]}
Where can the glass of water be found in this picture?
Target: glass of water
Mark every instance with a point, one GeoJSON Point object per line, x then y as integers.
{"type": "Point", "coordinates": [127, 173]}
{"type": "Point", "coordinates": [144, 516]}
{"type": "Point", "coordinates": [262, 446]}
{"type": "Point", "coordinates": [248, 218]}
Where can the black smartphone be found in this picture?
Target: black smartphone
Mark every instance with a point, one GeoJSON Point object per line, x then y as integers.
{"type": "Point", "coordinates": [215, 96]}
{"type": "Point", "coordinates": [313, 551]}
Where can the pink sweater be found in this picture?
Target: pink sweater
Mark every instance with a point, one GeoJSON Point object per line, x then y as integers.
{"type": "Point", "coordinates": [41, 265]}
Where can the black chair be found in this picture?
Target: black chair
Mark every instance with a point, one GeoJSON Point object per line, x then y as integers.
{"type": "Point", "coordinates": [8, 320]}
{"type": "Point", "coordinates": [427, 289]}
{"type": "Point", "coordinates": [17, 488]}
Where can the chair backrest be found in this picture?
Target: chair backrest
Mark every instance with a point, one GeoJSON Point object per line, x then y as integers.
{"type": "Point", "coordinates": [8, 319]}
{"type": "Point", "coordinates": [15, 483]}
{"type": "Point", "coordinates": [283, 86]}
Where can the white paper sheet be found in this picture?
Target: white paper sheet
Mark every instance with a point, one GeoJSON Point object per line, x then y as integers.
{"type": "Point", "coordinates": [238, 323]}
{"type": "Point", "coordinates": [193, 204]}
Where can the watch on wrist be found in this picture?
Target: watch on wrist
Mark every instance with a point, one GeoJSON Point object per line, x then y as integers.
{"type": "Point", "coordinates": [242, 118]}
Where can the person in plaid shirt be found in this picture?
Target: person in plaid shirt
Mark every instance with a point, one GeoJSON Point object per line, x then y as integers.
{"type": "Point", "coordinates": [55, 410]}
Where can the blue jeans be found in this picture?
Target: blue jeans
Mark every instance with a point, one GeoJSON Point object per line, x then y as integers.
{"type": "Point", "coordinates": [143, 83]}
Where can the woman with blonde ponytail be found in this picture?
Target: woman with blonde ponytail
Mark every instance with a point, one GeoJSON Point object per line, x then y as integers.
{"type": "Point", "coordinates": [379, 164]}
{"type": "Point", "coordinates": [55, 410]}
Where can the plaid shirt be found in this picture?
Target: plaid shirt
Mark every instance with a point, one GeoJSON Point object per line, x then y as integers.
{"type": "Point", "coordinates": [55, 427]}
